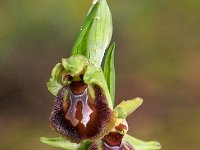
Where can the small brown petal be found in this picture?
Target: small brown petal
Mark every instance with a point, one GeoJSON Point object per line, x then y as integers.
{"type": "Point", "coordinates": [121, 127]}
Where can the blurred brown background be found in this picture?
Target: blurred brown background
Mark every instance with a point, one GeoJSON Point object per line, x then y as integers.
{"type": "Point", "coordinates": [157, 58]}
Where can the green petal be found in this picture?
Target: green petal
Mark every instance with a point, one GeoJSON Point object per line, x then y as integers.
{"type": "Point", "coordinates": [125, 108]}
{"type": "Point", "coordinates": [55, 82]}
{"type": "Point", "coordinates": [109, 71]}
{"type": "Point", "coordinates": [80, 46]}
{"type": "Point", "coordinates": [94, 75]}
{"type": "Point", "coordinates": [60, 143]}
{"type": "Point", "coordinates": [142, 145]}
{"type": "Point", "coordinates": [100, 33]}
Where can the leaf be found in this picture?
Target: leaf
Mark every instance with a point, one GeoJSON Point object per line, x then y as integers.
{"type": "Point", "coordinates": [125, 108]}
{"type": "Point", "coordinates": [80, 45]}
{"type": "Point", "coordinates": [109, 71]}
{"type": "Point", "coordinates": [60, 143]}
{"type": "Point", "coordinates": [55, 82]}
{"type": "Point", "coordinates": [142, 145]}
{"type": "Point", "coordinates": [96, 33]}
{"type": "Point", "coordinates": [100, 33]}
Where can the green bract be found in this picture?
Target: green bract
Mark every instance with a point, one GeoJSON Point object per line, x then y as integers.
{"type": "Point", "coordinates": [109, 71]}
{"type": "Point", "coordinates": [96, 33]}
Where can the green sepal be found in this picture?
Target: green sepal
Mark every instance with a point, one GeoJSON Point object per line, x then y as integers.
{"type": "Point", "coordinates": [142, 145]}
{"type": "Point", "coordinates": [55, 82]}
{"type": "Point", "coordinates": [125, 108]}
{"type": "Point", "coordinates": [100, 33]}
{"type": "Point", "coordinates": [94, 75]}
{"type": "Point", "coordinates": [109, 71]}
{"type": "Point", "coordinates": [80, 45]}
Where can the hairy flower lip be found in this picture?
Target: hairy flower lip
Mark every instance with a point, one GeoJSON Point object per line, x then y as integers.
{"type": "Point", "coordinates": [100, 123]}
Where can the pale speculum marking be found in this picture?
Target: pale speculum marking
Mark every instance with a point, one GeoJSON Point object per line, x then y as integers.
{"type": "Point", "coordinates": [86, 110]}
{"type": "Point", "coordinates": [112, 148]}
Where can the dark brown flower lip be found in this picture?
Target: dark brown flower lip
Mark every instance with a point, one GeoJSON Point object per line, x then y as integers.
{"type": "Point", "coordinates": [101, 119]}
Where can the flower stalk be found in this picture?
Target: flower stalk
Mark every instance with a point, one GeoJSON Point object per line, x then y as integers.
{"type": "Point", "coordinates": [83, 112]}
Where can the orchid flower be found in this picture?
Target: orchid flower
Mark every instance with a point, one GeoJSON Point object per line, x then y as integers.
{"type": "Point", "coordinates": [83, 112]}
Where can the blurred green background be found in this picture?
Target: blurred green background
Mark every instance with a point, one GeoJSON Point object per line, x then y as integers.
{"type": "Point", "coordinates": [157, 58]}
